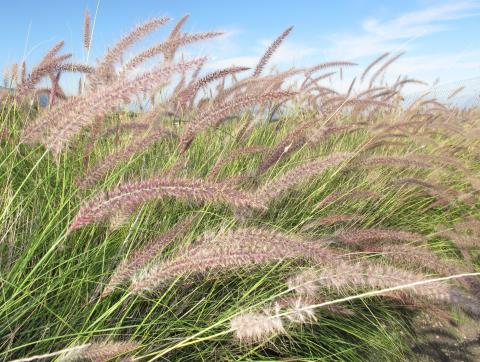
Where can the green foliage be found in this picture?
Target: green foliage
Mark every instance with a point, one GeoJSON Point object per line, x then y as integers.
{"type": "Point", "coordinates": [50, 284]}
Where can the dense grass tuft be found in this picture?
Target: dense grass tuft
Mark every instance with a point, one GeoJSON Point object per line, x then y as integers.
{"type": "Point", "coordinates": [259, 221]}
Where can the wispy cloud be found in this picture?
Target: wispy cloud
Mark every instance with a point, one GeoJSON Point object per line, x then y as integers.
{"type": "Point", "coordinates": [289, 54]}
{"type": "Point", "coordinates": [438, 62]}
{"type": "Point", "coordinates": [396, 34]}
{"type": "Point", "coordinates": [247, 61]}
{"type": "Point", "coordinates": [373, 37]}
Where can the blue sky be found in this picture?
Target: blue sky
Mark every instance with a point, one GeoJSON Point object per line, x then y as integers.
{"type": "Point", "coordinates": [441, 38]}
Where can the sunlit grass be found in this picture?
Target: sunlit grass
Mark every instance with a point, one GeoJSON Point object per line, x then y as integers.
{"type": "Point", "coordinates": [50, 284]}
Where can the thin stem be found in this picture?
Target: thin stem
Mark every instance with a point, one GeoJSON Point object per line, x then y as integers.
{"type": "Point", "coordinates": [379, 292]}
{"type": "Point", "coordinates": [42, 356]}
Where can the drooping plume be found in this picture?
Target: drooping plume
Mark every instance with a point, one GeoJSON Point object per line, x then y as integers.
{"type": "Point", "coordinates": [86, 31]}
{"type": "Point", "coordinates": [270, 51]}
{"type": "Point", "coordinates": [133, 194]}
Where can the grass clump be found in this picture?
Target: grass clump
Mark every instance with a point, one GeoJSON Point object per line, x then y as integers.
{"type": "Point", "coordinates": [261, 220]}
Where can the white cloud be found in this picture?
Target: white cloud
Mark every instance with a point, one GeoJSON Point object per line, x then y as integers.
{"type": "Point", "coordinates": [288, 54]}
{"type": "Point", "coordinates": [373, 37]}
{"type": "Point", "coordinates": [395, 34]}
{"type": "Point", "coordinates": [439, 62]}
{"type": "Point", "coordinates": [246, 61]}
